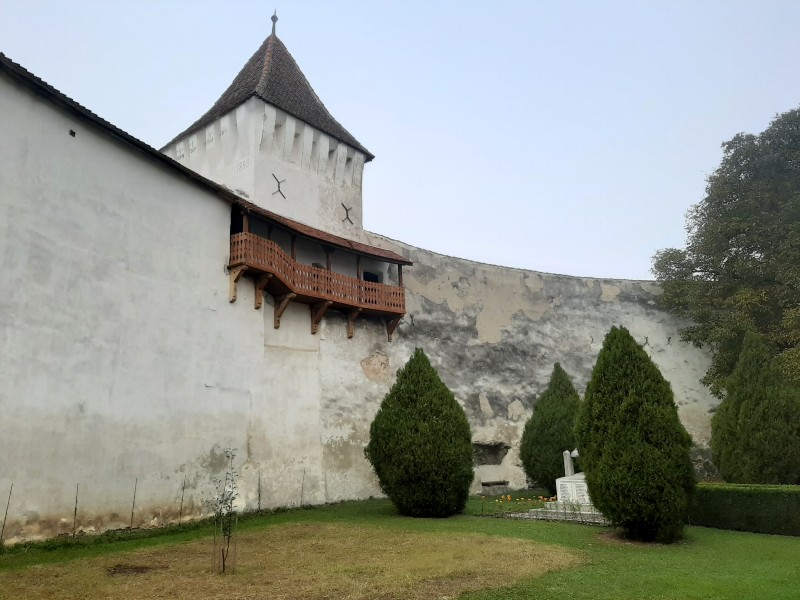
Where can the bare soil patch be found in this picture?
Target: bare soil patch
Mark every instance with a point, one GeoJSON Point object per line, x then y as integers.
{"type": "Point", "coordinates": [120, 569]}
{"type": "Point", "coordinates": [309, 561]}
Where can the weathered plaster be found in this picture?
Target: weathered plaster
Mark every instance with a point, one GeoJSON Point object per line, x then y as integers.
{"type": "Point", "coordinates": [124, 363]}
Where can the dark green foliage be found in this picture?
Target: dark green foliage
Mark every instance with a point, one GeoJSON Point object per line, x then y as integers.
{"type": "Point", "coordinates": [771, 509]}
{"type": "Point", "coordinates": [756, 430]}
{"type": "Point", "coordinates": [420, 444]}
{"type": "Point", "coordinates": [633, 448]}
{"type": "Point", "coordinates": [740, 269]}
{"type": "Point", "coordinates": [550, 431]}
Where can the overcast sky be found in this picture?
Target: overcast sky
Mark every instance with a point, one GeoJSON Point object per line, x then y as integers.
{"type": "Point", "coordinates": [563, 136]}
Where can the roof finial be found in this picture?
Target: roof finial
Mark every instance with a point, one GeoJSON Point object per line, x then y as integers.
{"type": "Point", "coordinates": [274, 20]}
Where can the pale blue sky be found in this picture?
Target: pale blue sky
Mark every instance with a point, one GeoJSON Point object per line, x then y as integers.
{"type": "Point", "coordinates": [567, 136]}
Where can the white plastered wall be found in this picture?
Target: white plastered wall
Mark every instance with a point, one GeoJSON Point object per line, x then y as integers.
{"type": "Point", "coordinates": [123, 362]}
{"type": "Point", "coordinates": [256, 145]}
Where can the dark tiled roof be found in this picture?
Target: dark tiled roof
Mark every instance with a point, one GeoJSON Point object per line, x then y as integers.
{"type": "Point", "coordinates": [44, 89]}
{"type": "Point", "coordinates": [272, 75]}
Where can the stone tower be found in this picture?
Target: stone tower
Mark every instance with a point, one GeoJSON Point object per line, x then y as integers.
{"type": "Point", "coordinates": [270, 139]}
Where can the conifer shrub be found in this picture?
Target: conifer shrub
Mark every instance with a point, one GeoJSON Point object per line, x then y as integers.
{"type": "Point", "coordinates": [550, 430]}
{"type": "Point", "coordinates": [755, 433]}
{"type": "Point", "coordinates": [634, 450]}
{"type": "Point", "coordinates": [420, 444]}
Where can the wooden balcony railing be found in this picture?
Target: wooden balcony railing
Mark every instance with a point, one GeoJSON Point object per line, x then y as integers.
{"type": "Point", "coordinates": [311, 285]}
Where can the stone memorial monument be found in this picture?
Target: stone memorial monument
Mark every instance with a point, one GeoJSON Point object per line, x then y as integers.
{"type": "Point", "coordinates": [573, 502]}
{"type": "Point", "coordinates": [571, 488]}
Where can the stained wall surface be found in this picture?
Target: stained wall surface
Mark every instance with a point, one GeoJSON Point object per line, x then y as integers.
{"type": "Point", "coordinates": [126, 371]}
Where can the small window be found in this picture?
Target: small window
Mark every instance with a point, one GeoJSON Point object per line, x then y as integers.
{"type": "Point", "coordinates": [373, 277]}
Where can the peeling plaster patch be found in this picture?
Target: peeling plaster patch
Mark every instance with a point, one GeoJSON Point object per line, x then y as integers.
{"type": "Point", "coordinates": [461, 286]}
{"type": "Point", "coordinates": [608, 293]}
{"type": "Point", "coordinates": [376, 367]}
{"type": "Point", "coordinates": [533, 281]}
{"type": "Point", "coordinates": [424, 273]}
{"type": "Point", "coordinates": [486, 408]}
{"type": "Point", "coordinates": [516, 410]}
{"type": "Point", "coordinates": [215, 461]}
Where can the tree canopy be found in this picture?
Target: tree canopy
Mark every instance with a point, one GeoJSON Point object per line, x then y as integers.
{"type": "Point", "coordinates": [633, 448]}
{"type": "Point", "coordinates": [756, 430]}
{"type": "Point", "coordinates": [740, 270]}
{"type": "Point", "coordinates": [420, 444]}
{"type": "Point", "coordinates": [550, 431]}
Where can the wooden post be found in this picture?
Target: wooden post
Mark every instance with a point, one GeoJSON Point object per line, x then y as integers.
{"type": "Point", "coordinates": [260, 284]}
{"type": "Point", "coordinates": [235, 275]}
{"type": "Point", "coordinates": [317, 310]}
{"type": "Point", "coordinates": [359, 272]}
{"type": "Point", "coordinates": [391, 325]}
{"type": "Point", "coordinates": [400, 275]}
{"type": "Point", "coordinates": [245, 222]}
{"type": "Point", "coordinates": [328, 252]}
{"type": "Point", "coordinates": [351, 322]}
{"type": "Point", "coordinates": [281, 302]}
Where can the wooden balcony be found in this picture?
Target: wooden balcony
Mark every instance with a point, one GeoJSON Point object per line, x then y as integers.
{"type": "Point", "coordinates": [277, 273]}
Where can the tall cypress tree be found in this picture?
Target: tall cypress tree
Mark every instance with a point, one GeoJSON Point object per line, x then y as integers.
{"type": "Point", "coordinates": [755, 433]}
{"type": "Point", "coordinates": [420, 444]}
{"type": "Point", "coordinates": [633, 448]}
{"type": "Point", "coordinates": [550, 430]}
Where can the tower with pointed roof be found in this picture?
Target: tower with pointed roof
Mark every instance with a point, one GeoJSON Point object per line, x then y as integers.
{"type": "Point", "coordinates": [270, 139]}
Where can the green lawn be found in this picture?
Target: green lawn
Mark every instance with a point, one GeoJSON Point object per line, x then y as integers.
{"type": "Point", "coordinates": [707, 564]}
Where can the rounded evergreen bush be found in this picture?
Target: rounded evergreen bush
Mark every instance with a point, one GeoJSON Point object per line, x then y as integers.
{"type": "Point", "coordinates": [633, 447]}
{"type": "Point", "coordinates": [420, 444]}
{"type": "Point", "coordinates": [550, 431]}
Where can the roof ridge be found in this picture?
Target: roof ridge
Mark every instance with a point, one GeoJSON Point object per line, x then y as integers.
{"type": "Point", "coordinates": [267, 61]}
{"type": "Point", "coordinates": [273, 75]}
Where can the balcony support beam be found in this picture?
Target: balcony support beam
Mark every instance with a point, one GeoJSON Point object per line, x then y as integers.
{"type": "Point", "coordinates": [234, 276]}
{"type": "Point", "coordinates": [391, 325]}
{"type": "Point", "coordinates": [351, 322]}
{"type": "Point", "coordinates": [281, 302]}
{"type": "Point", "coordinates": [317, 311]}
{"type": "Point", "coordinates": [261, 283]}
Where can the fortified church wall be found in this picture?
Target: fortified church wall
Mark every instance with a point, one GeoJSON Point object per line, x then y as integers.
{"type": "Point", "coordinates": [125, 366]}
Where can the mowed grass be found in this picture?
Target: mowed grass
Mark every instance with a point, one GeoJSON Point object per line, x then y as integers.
{"type": "Point", "coordinates": [364, 550]}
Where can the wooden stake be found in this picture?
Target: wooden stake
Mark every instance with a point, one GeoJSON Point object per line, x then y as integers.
{"type": "Point", "coordinates": [133, 505]}
{"type": "Point", "coordinates": [75, 513]}
{"type": "Point", "coordinates": [183, 491]}
{"type": "Point", "coordinates": [259, 490]}
{"type": "Point", "coordinates": [3, 529]}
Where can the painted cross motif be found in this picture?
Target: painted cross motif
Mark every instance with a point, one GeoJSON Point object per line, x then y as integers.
{"type": "Point", "coordinates": [279, 182]}
{"type": "Point", "coordinates": [347, 213]}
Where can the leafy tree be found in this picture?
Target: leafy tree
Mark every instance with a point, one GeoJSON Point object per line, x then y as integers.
{"type": "Point", "coordinates": [420, 444]}
{"type": "Point", "coordinates": [633, 448]}
{"type": "Point", "coordinates": [756, 430]}
{"type": "Point", "coordinates": [740, 270]}
{"type": "Point", "coordinates": [550, 431]}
